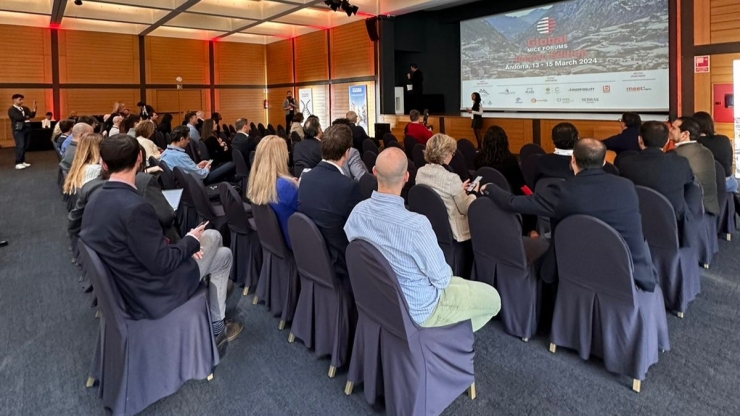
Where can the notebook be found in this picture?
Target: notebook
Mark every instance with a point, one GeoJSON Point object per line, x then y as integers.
{"type": "Point", "coordinates": [173, 197]}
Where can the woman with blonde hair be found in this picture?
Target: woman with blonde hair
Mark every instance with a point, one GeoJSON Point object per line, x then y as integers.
{"type": "Point", "coordinates": [270, 182]}
{"type": "Point", "coordinates": [86, 164]}
{"type": "Point", "coordinates": [438, 152]}
{"type": "Point", "coordinates": [144, 132]}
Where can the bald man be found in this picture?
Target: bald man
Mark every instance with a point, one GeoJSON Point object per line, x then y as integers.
{"type": "Point", "coordinates": [593, 192]}
{"type": "Point", "coordinates": [68, 151]}
{"type": "Point", "coordinates": [434, 296]}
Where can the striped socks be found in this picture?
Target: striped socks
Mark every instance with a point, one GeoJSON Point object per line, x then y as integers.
{"type": "Point", "coordinates": [218, 328]}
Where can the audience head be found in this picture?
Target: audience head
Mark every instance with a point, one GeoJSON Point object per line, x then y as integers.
{"type": "Point", "coordinates": [414, 115]}
{"type": "Point", "coordinates": [18, 99]}
{"type": "Point", "coordinates": [684, 129]}
{"type": "Point", "coordinates": [440, 149]}
{"type": "Point", "coordinates": [117, 107]}
{"type": "Point", "coordinates": [289, 94]}
{"type": "Point", "coordinates": [298, 118]}
{"type": "Point", "coordinates": [340, 121]}
{"type": "Point", "coordinates": [120, 153]}
{"type": "Point", "coordinates": [145, 129]}
{"type": "Point", "coordinates": [130, 122]}
{"type": "Point", "coordinates": [154, 116]}
{"type": "Point", "coordinates": [65, 126]}
{"type": "Point", "coordinates": [588, 154]}
{"type": "Point", "coordinates": [79, 130]}
{"type": "Point", "coordinates": [216, 117]}
{"type": "Point", "coordinates": [117, 120]}
{"type": "Point", "coordinates": [88, 153]}
{"type": "Point", "coordinates": [242, 125]}
{"type": "Point", "coordinates": [351, 116]}
{"type": "Point", "coordinates": [49, 115]}
{"type": "Point", "coordinates": [180, 136]}
{"type": "Point", "coordinates": [191, 117]}
{"type": "Point", "coordinates": [706, 124]}
{"type": "Point", "coordinates": [335, 143]}
{"type": "Point", "coordinates": [313, 116]}
{"type": "Point", "coordinates": [653, 134]}
{"type": "Point", "coordinates": [391, 169]}
{"type": "Point", "coordinates": [270, 163]}
{"type": "Point", "coordinates": [631, 120]}
{"type": "Point", "coordinates": [166, 120]}
{"type": "Point", "coordinates": [89, 120]}
{"type": "Point", "coordinates": [564, 136]}
{"type": "Point", "coordinates": [495, 146]}
{"type": "Point", "coordinates": [312, 127]}
{"type": "Point", "coordinates": [414, 67]}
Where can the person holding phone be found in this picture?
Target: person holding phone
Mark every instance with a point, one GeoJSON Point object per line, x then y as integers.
{"type": "Point", "coordinates": [175, 156]}
{"type": "Point", "coordinates": [20, 118]}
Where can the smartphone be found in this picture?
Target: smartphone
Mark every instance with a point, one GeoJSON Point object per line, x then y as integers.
{"type": "Point", "coordinates": [471, 185]}
{"type": "Point", "coordinates": [203, 224]}
{"type": "Point", "coordinates": [210, 162]}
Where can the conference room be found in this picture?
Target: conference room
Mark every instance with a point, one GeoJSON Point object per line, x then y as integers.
{"type": "Point", "coordinates": [360, 207]}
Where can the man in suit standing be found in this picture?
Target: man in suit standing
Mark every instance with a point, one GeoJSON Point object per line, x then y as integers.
{"type": "Point", "coordinates": [307, 152]}
{"type": "Point", "coordinates": [667, 173]}
{"type": "Point", "coordinates": [290, 107]}
{"type": "Point", "coordinates": [20, 118]}
{"type": "Point", "coordinates": [558, 163]}
{"type": "Point", "coordinates": [416, 79]}
{"type": "Point", "coordinates": [327, 195]}
{"type": "Point", "coordinates": [154, 277]}
{"type": "Point", "coordinates": [591, 192]}
{"type": "Point", "coordinates": [685, 132]}
{"type": "Point", "coordinates": [241, 141]}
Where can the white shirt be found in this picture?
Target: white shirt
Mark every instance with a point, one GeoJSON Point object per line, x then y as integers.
{"type": "Point", "coordinates": [686, 142]}
{"type": "Point", "coordinates": [474, 113]}
{"type": "Point", "coordinates": [563, 152]}
{"type": "Point", "coordinates": [334, 164]}
{"type": "Point", "coordinates": [45, 124]}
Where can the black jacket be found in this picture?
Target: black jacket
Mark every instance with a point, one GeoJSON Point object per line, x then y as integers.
{"type": "Point", "coordinates": [595, 193]}
{"type": "Point", "coordinates": [553, 166]}
{"type": "Point", "coordinates": [721, 148]}
{"type": "Point", "coordinates": [624, 141]}
{"type": "Point", "coordinates": [306, 154]}
{"type": "Point", "coordinates": [16, 116]}
{"type": "Point", "coordinates": [244, 144]}
{"type": "Point", "coordinates": [667, 173]}
{"type": "Point", "coordinates": [153, 277]}
{"type": "Point", "coordinates": [327, 196]}
{"type": "Point", "coordinates": [358, 136]}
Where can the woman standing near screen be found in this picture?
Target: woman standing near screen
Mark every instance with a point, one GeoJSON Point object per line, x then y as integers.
{"type": "Point", "coordinates": [477, 116]}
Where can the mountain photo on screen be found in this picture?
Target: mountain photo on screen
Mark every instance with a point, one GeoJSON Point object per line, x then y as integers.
{"type": "Point", "coordinates": [580, 50]}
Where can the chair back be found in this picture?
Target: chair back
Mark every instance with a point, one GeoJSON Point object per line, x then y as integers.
{"type": "Point", "coordinates": [369, 158]}
{"type": "Point", "coordinates": [658, 219]}
{"type": "Point", "coordinates": [491, 175]}
{"type": "Point", "coordinates": [166, 177]}
{"type": "Point", "coordinates": [204, 155]}
{"type": "Point", "coordinates": [387, 138]}
{"type": "Point", "coordinates": [468, 151]}
{"type": "Point", "coordinates": [200, 198]}
{"type": "Point", "coordinates": [695, 199]}
{"type": "Point", "coordinates": [271, 129]}
{"type": "Point", "coordinates": [251, 159]}
{"type": "Point", "coordinates": [186, 198]}
{"type": "Point", "coordinates": [252, 127]}
{"type": "Point", "coordinates": [423, 200]}
{"type": "Point", "coordinates": [721, 189]}
{"type": "Point", "coordinates": [262, 129]}
{"type": "Point", "coordinates": [295, 137]}
{"type": "Point", "coordinates": [457, 163]}
{"type": "Point", "coordinates": [529, 169]}
{"type": "Point", "coordinates": [242, 168]}
{"type": "Point", "coordinates": [269, 232]}
{"type": "Point", "coordinates": [232, 129]}
{"type": "Point", "coordinates": [369, 146]}
{"type": "Point", "coordinates": [530, 149]}
{"type": "Point", "coordinates": [368, 184]}
{"type": "Point", "coordinates": [237, 217]}
{"type": "Point", "coordinates": [592, 255]}
{"type": "Point", "coordinates": [543, 223]}
{"type": "Point", "coordinates": [610, 168]}
{"type": "Point", "coordinates": [225, 128]}
{"type": "Point", "coordinates": [496, 234]}
{"type": "Point", "coordinates": [376, 289]}
{"type": "Point", "coordinates": [417, 155]}
{"type": "Point", "coordinates": [281, 131]}
{"type": "Point", "coordinates": [408, 146]}
{"type": "Point", "coordinates": [110, 302]}
{"type": "Point", "coordinates": [310, 251]}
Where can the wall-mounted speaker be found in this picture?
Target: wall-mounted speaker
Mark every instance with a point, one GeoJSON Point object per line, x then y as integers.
{"type": "Point", "coordinates": [372, 28]}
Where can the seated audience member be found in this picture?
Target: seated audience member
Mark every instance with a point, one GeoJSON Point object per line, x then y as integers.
{"type": "Point", "coordinates": [128, 125]}
{"type": "Point", "coordinates": [91, 121]}
{"type": "Point", "coordinates": [495, 154]}
{"type": "Point", "coordinates": [144, 132]}
{"type": "Point", "coordinates": [627, 139]}
{"type": "Point", "coordinates": [146, 185]}
{"type": "Point", "coordinates": [216, 118]}
{"type": "Point", "coordinates": [65, 131]}
{"type": "Point", "coordinates": [416, 129]}
{"type": "Point", "coordinates": [68, 154]}
{"type": "Point", "coordinates": [296, 125]}
{"type": "Point", "coordinates": [667, 173]}
{"type": "Point", "coordinates": [242, 141]}
{"type": "Point", "coordinates": [358, 132]}
{"type": "Point", "coordinates": [46, 121]}
{"type": "Point", "coordinates": [175, 156]}
{"type": "Point", "coordinates": [86, 164]}
{"type": "Point", "coordinates": [591, 192]}
{"type": "Point", "coordinates": [116, 126]}
{"type": "Point", "coordinates": [118, 110]}
{"type": "Point", "coordinates": [218, 150]}
{"type": "Point", "coordinates": [327, 195]}
{"type": "Point", "coordinates": [154, 277]}
{"type": "Point", "coordinates": [270, 183]}
{"type": "Point", "coordinates": [438, 152]}
{"type": "Point", "coordinates": [355, 167]}
{"type": "Point", "coordinates": [191, 121]}
{"type": "Point", "coordinates": [557, 164]}
{"type": "Point", "coordinates": [684, 133]}
{"type": "Point", "coordinates": [406, 239]}
{"type": "Point", "coordinates": [307, 152]}
{"type": "Point", "coordinates": [165, 125]}
{"type": "Point", "coordinates": [720, 146]}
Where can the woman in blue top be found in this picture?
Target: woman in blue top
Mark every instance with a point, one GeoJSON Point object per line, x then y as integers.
{"type": "Point", "coordinates": [270, 182]}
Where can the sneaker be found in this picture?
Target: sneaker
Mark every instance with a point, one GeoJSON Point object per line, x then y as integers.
{"type": "Point", "coordinates": [26, 164]}
{"type": "Point", "coordinates": [233, 329]}
{"type": "Point", "coordinates": [20, 166]}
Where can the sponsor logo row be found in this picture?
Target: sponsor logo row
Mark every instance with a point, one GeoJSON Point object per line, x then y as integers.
{"type": "Point", "coordinates": [606, 89]}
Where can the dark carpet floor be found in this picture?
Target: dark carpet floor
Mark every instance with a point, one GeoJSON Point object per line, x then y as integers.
{"type": "Point", "coordinates": [47, 331]}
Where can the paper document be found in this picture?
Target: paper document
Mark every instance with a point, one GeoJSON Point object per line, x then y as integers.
{"type": "Point", "coordinates": [173, 197]}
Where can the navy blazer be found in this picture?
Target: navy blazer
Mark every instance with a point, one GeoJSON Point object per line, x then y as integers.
{"type": "Point", "coordinates": [328, 197]}
{"type": "Point", "coordinates": [624, 141]}
{"type": "Point", "coordinates": [553, 166]}
{"type": "Point", "coordinates": [595, 193]}
{"type": "Point", "coordinates": [122, 228]}
{"type": "Point", "coordinates": [244, 144]}
{"type": "Point", "coordinates": [306, 154]}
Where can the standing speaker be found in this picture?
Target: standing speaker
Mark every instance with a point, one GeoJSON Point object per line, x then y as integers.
{"type": "Point", "coordinates": [372, 28]}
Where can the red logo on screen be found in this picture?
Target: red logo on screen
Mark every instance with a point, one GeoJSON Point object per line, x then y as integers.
{"type": "Point", "coordinates": [607, 89]}
{"type": "Point", "coordinates": [546, 25]}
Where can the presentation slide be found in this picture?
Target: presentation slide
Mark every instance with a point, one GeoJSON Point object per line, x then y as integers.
{"type": "Point", "coordinates": [579, 55]}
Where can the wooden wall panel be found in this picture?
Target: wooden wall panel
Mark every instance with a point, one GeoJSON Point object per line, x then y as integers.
{"type": "Point", "coordinates": [29, 62]}
{"type": "Point", "coordinates": [177, 102]}
{"type": "Point", "coordinates": [234, 103]}
{"type": "Point", "coordinates": [43, 99]}
{"type": "Point", "coordinates": [519, 131]}
{"type": "Point", "coordinates": [702, 16]}
{"type": "Point", "coordinates": [95, 101]}
{"type": "Point", "coordinates": [239, 63]}
{"type": "Point", "coordinates": [724, 21]}
{"type": "Point", "coordinates": [280, 62]}
{"type": "Point", "coordinates": [275, 98]}
{"type": "Point", "coordinates": [311, 53]}
{"type": "Point", "coordinates": [169, 58]}
{"type": "Point", "coordinates": [596, 129]}
{"type": "Point", "coordinates": [352, 51]}
{"type": "Point", "coordinates": [340, 102]}
{"type": "Point", "coordinates": [98, 58]}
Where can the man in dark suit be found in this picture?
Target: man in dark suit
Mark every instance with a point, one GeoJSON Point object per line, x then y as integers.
{"type": "Point", "coordinates": [591, 192]}
{"type": "Point", "coordinates": [416, 79]}
{"type": "Point", "coordinates": [20, 119]}
{"type": "Point", "coordinates": [557, 164]}
{"type": "Point", "coordinates": [241, 141]}
{"type": "Point", "coordinates": [327, 195]}
{"type": "Point", "coordinates": [685, 133]}
{"type": "Point", "coordinates": [667, 173]}
{"type": "Point", "coordinates": [358, 133]}
{"type": "Point", "coordinates": [154, 277]}
{"type": "Point", "coordinates": [307, 152]}
{"type": "Point", "coordinates": [627, 139]}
